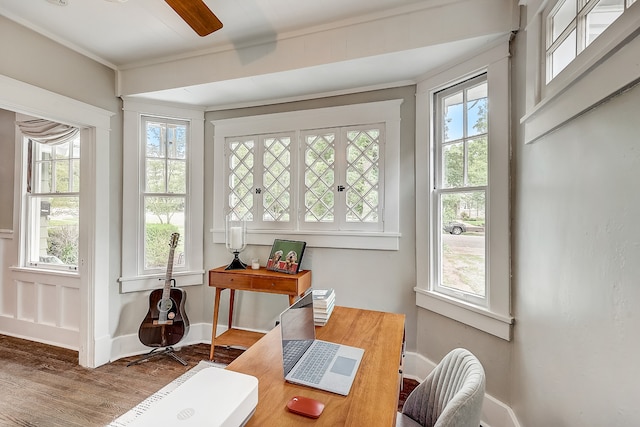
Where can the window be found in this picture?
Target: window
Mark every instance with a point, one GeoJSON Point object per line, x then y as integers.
{"type": "Point", "coordinates": [53, 205]}
{"type": "Point", "coordinates": [572, 25]}
{"type": "Point", "coordinates": [165, 189]}
{"type": "Point", "coordinates": [580, 54]}
{"type": "Point", "coordinates": [462, 192]}
{"type": "Point", "coordinates": [163, 165]}
{"type": "Point", "coordinates": [327, 176]}
{"type": "Point", "coordinates": [339, 182]}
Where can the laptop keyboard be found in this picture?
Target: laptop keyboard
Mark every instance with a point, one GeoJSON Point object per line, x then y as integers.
{"type": "Point", "coordinates": [315, 364]}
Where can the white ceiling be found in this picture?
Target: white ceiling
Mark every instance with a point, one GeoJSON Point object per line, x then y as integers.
{"type": "Point", "coordinates": [142, 32]}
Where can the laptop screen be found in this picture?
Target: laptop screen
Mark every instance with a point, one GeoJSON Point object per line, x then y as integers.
{"type": "Point", "coordinates": [298, 331]}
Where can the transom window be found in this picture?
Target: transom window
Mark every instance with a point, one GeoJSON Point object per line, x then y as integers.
{"type": "Point", "coordinates": [53, 205]}
{"type": "Point", "coordinates": [572, 25]}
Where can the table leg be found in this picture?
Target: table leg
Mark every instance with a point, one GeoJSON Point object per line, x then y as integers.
{"type": "Point", "coordinates": [232, 297]}
{"type": "Point", "coordinates": [216, 306]}
{"type": "Point", "coordinates": [292, 299]}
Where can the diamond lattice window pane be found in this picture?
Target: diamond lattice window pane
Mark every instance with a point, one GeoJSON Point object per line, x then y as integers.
{"type": "Point", "coordinates": [363, 155]}
{"type": "Point", "coordinates": [319, 178]}
{"type": "Point", "coordinates": [276, 179]}
{"type": "Point", "coordinates": [240, 198]}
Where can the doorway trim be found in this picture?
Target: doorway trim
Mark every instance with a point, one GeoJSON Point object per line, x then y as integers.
{"type": "Point", "coordinates": [94, 347]}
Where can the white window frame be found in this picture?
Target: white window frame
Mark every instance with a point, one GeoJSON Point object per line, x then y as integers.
{"type": "Point", "coordinates": [134, 278]}
{"type": "Point", "coordinates": [385, 112]}
{"type": "Point", "coordinates": [494, 318]}
{"type": "Point", "coordinates": [32, 210]}
{"type": "Point", "coordinates": [439, 190]}
{"type": "Point", "coordinates": [603, 69]}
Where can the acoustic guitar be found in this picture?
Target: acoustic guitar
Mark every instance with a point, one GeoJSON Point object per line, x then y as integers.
{"type": "Point", "coordinates": [166, 322]}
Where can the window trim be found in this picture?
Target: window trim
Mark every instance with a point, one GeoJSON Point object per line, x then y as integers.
{"type": "Point", "coordinates": [496, 317]}
{"type": "Point", "coordinates": [603, 69]}
{"type": "Point", "coordinates": [387, 112]}
{"type": "Point", "coordinates": [134, 278]}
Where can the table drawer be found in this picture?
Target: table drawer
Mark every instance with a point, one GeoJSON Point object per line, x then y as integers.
{"type": "Point", "coordinates": [230, 281]}
{"type": "Point", "coordinates": [275, 284]}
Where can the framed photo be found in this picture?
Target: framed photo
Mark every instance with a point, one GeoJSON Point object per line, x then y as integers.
{"type": "Point", "coordinates": [286, 256]}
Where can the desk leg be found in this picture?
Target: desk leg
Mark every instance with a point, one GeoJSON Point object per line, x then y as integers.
{"type": "Point", "coordinates": [292, 299]}
{"type": "Point", "coordinates": [216, 306]}
{"type": "Point", "coordinates": [232, 297]}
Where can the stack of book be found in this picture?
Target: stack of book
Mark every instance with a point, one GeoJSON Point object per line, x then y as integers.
{"type": "Point", "coordinates": [323, 302]}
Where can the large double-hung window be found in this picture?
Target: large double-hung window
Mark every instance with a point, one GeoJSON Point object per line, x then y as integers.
{"type": "Point", "coordinates": [53, 205]}
{"type": "Point", "coordinates": [165, 189]}
{"type": "Point", "coordinates": [462, 193]}
{"type": "Point", "coordinates": [162, 194]}
{"type": "Point", "coordinates": [460, 190]}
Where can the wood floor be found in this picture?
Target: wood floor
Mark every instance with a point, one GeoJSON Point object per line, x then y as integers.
{"type": "Point", "coordinates": [44, 386]}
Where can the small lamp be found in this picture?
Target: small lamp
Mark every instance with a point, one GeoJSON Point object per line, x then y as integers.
{"type": "Point", "coordinates": [236, 241]}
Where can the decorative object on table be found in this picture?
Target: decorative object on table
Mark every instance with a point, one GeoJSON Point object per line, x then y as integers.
{"type": "Point", "coordinates": [255, 264]}
{"type": "Point", "coordinates": [286, 256]}
{"type": "Point", "coordinates": [324, 300]}
{"type": "Point", "coordinates": [236, 241]}
{"type": "Point", "coordinates": [166, 322]}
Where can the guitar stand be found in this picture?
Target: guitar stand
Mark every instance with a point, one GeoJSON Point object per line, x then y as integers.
{"type": "Point", "coordinates": [166, 351]}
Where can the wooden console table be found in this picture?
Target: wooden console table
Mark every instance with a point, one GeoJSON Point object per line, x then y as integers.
{"type": "Point", "coordinates": [261, 280]}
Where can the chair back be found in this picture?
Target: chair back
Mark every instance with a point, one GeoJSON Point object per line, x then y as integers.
{"type": "Point", "coordinates": [451, 395]}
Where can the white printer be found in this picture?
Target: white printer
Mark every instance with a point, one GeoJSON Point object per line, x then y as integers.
{"type": "Point", "coordinates": [211, 397]}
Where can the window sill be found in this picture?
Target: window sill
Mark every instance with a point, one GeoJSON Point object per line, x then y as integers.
{"type": "Point", "coordinates": [321, 239]}
{"type": "Point", "coordinates": [606, 68]}
{"type": "Point", "coordinates": [70, 279]}
{"type": "Point", "coordinates": [477, 317]}
{"type": "Point", "coordinates": [155, 281]}
{"type": "Point", "coordinates": [6, 234]}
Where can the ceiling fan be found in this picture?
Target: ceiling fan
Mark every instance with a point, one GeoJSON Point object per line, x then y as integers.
{"type": "Point", "coordinates": [197, 15]}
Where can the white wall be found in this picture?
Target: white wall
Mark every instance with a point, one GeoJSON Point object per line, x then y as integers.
{"type": "Point", "coordinates": [576, 246]}
{"type": "Point", "coordinates": [7, 134]}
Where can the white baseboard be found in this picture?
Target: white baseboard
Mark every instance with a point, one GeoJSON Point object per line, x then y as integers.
{"type": "Point", "coordinates": [39, 332]}
{"type": "Point", "coordinates": [494, 412]}
{"type": "Point", "coordinates": [130, 345]}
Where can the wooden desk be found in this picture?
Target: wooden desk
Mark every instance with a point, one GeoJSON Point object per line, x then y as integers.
{"type": "Point", "coordinates": [373, 399]}
{"type": "Point", "coordinates": [261, 280]}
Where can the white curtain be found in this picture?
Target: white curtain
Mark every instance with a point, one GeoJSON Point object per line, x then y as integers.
{"type": "Point", "coordinates": [47, 132]}
{"type": "Point", "coordinates": [44, 132]}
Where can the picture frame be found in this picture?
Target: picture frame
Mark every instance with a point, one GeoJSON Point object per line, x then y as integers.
{"type": "Point", "coordinates": [286, 256]}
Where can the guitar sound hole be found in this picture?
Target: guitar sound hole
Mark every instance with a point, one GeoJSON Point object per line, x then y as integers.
{"type": "Point", "coordinates": [165, 305]}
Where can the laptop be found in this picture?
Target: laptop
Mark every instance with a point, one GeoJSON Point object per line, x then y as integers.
{"type": "Point", "coordinates": [311, 362]}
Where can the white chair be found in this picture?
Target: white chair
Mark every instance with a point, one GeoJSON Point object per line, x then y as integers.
{"type": "Point", "coordinates": [450, 396]}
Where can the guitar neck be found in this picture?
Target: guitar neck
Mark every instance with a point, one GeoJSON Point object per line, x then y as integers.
{"type": "Point", "coordinates": [167, 281]}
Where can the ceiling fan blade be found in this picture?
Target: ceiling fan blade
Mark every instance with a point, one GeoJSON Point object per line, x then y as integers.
{"type": "Point", "coordinates": [197, 15]}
